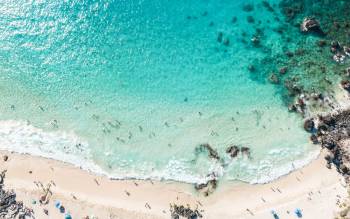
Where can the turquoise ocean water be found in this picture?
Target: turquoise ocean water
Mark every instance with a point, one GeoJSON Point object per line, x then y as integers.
{"type": "Point", "coordinates": [130, 88]}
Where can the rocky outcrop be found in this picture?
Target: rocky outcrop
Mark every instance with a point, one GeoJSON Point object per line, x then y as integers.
{"type": "Point", "coordinates": [178, 211]}
{"type": "Point", "coordinates": [309, 125]}
{"type": "Point", "coordinates": [9, 206]}
{"type": "Point", "coordinates": [333, 132]}
{"type": "Point", "coordinates": [207, 188]}
{"type": "Point", "coordinates": [311, 25]}
{"type": "Point", "coordinates": [346, 85]}
{"type": "Point", "coordinates": [273, 78]}
{"type": "Point", "coordinates": [246, 151]}
{"type": "Point", "coordinates": [233, 151]}
{"type": "Point", "coordinates": [212, 153]}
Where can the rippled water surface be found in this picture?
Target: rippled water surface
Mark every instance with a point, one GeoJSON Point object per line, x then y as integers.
{"type": "Point", "coordinates": [131, 88]}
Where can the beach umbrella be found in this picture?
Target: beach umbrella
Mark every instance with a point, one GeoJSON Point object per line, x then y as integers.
{"type": "Point", "coordinates": [298, 213]}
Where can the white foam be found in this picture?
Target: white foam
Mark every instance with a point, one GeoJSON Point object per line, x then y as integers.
{"type": "Point", "coordinates": [22, 137]}
{"type": "Point", "coordinates": [277, 172]}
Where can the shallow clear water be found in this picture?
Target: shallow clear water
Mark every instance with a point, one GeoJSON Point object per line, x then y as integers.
{"type": "Point", "coordinates": [131, 88]}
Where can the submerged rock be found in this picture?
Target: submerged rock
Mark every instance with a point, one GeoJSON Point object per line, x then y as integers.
{"type": "Point", "coordinates": [233, 151]}
{"type": "Point", "coordinates": [322, 43]}
{"type": "Point", "coordinates": [250, 19]}
{"type": "Point", "coordinates": [334, 134]}
{"type": "Point", "coordinates": [211, 152]}
{"type": "Point", "coordinates": [311, 25]}
{"type": "Point", "coordinates": [339, 57]}
{"type": "Point", "coordinates": [251, 68]}
{"type": "Point", "coordinates": [207, 188]}
{"type": "Point", "coordinates": [273, 78]}
{"type": "Point", "coordinates": [220, 37]}
{"type": "Point", "coordinates": [283, 70]}
{"type": "Point", "coordinates": [9, 206]}
{"type": "Point", "coordinates": [178, 211]}
{"type": "Point", "coordinates": [248, 7]}
{"type": "Point", "coordinates": [293, 88]}
{"type": "Point", "coordinates": [309, 125]}
{"type": "Point", "coordinates": [267, 5]}
{"type": "Point", "coordinates": [234, 20]}
{"type": "Point", "coordinates": [255, 41]}
{"type": "Point", "coordinates": [335, 46]}
{"type": "Point", "coordinates": [346, 85]}
{"type": "Point", "coordinates": [245, 151]}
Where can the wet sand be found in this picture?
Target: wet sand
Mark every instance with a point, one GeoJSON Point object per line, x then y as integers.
{"type": "Point", "coordinates": [314, 189]}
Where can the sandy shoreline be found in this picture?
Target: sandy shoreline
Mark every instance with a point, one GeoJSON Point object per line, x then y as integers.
{"type": "Point", "coordinates": [314, 188]}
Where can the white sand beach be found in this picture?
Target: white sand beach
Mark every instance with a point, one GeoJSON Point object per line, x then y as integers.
{"type": "Point", "coordinates": [314, 189]}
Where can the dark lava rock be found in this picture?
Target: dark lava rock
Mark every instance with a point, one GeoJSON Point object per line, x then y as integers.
{"type": "Point", "coordinates": [211, 152]}
{"type": "Point", "coordinates": [329, 144]}
{"type": "Point", "coordinates": [314, 139]}
{"type": "Point", "coordinates": [346, 85]}
{"type": "Point", "coordinates": [251, 68]}
{"type": "Point", "coordinates": [322, 43]}
{"type": "Point", "coordinates": [175, 216]}
{"type": "Point", "coordinates": [311, 25]}
{"type": "Point", "coordinates": [292, 87]}
{"type": "Point", "coordinates": [283, 70]}
{"type": "Point", "coordinates": [207, 188]}
{"type": "Point", "coordinates": [273, 78]}
{"type": "Point", "coordinates": [329, 157]}
{"type": "Point", "coordinates": [248, 7]}
{"type": "Point", "coordinates": [322, 129]}
{"type": "Point", "coordinates": [334, 134]}
{"type": "Point", "coordinates": [289, 54]}
{"type": "Point", "coordinates": [245, 151]}
{"type": "Point", "coordinates": [335, 46]}
{"type": "Point", "coordinates": [200, 186]}
{"type": "Point", "coordinates": [232, 151]}
{"type": "Point", "coordinates": [9, 206]}
{"type": "Point", "coordinates": [292, 108]}
{"type": "Point", "coordinates": [344, 169]}
{"type": "Point", "coordinates": [5, 158]}
{"type": "Point", "coordinates": [178, 211]}
{"type": "Point", "coordinates": [212, 183]}
{"type": "Point", "coordinates": [250, 19]}
{"type": "Point", "coordinates": [309, 125]}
